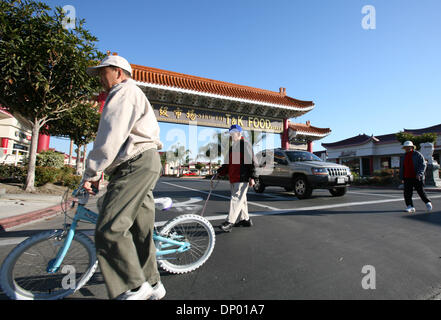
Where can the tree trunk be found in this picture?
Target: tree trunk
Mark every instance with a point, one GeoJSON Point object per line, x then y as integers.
{"type": "Point", "coordinates": [70, 152]}
{"type": "Point", "coordinates": [84, 157]}
{"type": "Point", "coordinates": [78, 163]}
{"type": "Point", "coordinates": [30, 178]}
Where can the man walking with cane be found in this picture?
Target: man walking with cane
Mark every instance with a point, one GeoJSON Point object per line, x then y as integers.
{"type": "Point", "coordinates": [240, 167]}
{"type": "Point", "coordinates": [125, 148]}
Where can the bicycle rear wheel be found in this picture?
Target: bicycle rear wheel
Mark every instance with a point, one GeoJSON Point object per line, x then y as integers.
{"type": "Point", "coordinates": [195, 230]}
{"type": "Point", "coordinates": [23, 275]}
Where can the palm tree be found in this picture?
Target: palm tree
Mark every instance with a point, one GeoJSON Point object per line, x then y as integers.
{"type": "Point", "coordinates": [219, 146]}
{"type": "Point", "coordinates": [178, 154]}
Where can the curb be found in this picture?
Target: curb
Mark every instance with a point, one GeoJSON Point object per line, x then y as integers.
{"type": "Point", "coordinates": [8, 223]}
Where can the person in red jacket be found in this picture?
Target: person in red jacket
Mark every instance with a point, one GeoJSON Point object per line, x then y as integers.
{"type": "Point", "coordinates": [412, 169]}
{"type": "Point", "coordinates": [240, 167]}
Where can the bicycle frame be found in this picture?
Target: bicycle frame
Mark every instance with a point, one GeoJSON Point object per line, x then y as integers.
{"type": "Point", "coordinates": [84, 214]}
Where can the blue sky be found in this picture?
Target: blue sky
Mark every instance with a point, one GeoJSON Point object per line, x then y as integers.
{"type": "Point", "coordinates": [362, 81]}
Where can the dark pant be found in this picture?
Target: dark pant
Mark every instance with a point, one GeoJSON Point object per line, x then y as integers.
{"type": "Point", "coordinates": [409, 185]}
{"type": "Point", "coordinates": [124, 232]}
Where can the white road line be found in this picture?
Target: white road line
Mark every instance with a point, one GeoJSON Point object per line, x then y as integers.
{"type": "Point", "coordinates": [272, 196]}
{"type": "Point", "coordinates": [273, 211]}
{"type": "Point", "coordinates": [340, 205]}
{"type": "Point", "coordinates": [376, 194]}
{"type": "Point", "coordinates": [219, 195]}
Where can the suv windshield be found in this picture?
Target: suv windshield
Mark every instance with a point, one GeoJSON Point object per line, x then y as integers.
{"type": "Point", "coordinates": [301, 156]}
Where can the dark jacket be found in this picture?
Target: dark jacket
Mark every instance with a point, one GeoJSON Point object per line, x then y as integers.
{"type": "Point", "coordinates": [240, 163]}
{"type": "Point", "coordinates": [418, 162]}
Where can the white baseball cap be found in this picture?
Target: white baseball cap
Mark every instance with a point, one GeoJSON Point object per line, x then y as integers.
{"type": "Point", "coordinates": [408, 144]}
{"type": "Point", "coordinates": [115, 61]}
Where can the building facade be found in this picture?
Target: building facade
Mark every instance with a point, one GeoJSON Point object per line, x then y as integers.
{"type": "Point", "coordinates": [365, 154]}
{"type": "Point", "coordinates": [15, 138]}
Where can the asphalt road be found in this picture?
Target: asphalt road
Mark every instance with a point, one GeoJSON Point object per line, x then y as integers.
{"type": "Point", "coordinates": [359, 246]}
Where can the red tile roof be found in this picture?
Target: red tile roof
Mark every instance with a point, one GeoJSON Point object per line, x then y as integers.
{"type": "Point", "coordinates": [194, 83]}
{"type": "Point", "coordinates": [307, 128]}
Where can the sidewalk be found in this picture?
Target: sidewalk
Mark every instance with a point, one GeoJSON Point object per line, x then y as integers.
{"type": "Point", "coordinates": [23, 208]}
{"type": "Point", "coordinates": [19, 209]}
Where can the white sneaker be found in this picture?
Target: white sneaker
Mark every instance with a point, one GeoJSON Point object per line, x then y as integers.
{"type": "Point", "coordinates": [143, 293]}
{"type": "Point", "coordinates": [158, 292]}
{"type": "Point", "coordinates": [429, 206]}
{"type": "Point", "coordinates": [410, 209]}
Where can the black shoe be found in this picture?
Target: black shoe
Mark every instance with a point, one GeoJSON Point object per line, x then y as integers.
{"type": "Point", "coordinates": [244, 223]}
{"type": "Point", "coordinates": [226, 226]}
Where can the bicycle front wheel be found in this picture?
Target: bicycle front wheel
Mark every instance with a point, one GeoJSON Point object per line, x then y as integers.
{"type": "Point", "coordinates": [23, 275]}
{"type": "Point", "coordinates": [195, 230]}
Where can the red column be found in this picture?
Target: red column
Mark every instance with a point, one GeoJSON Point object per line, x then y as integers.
{"type": "Point", "coordinates": [310, 146]}
{"type": "Point", "coordinates": [4, 144]}
{"type": "Point", "coordinates": [43, 142]}
{"type": "Point", "coordinates": [101, 100]}
{"type": "Point", "coordinates": [285, 138]}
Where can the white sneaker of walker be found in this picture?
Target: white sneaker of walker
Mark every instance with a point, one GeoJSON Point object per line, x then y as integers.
{"type": "Point", "coordinates": [429, 206]}
{"type": "Point", "coordinates": [163, 203]}
{"type": "Point", "coordinates": [410, 209]}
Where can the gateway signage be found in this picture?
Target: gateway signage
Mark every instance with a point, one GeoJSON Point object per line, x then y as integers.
{"type": "Point", "coordinates": [209, 118]}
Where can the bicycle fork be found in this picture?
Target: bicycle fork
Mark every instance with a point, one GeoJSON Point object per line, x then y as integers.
{"type": "Point", "coordinates": [82, 214]}
{"type": "Point", "coordinates": [54, 264]}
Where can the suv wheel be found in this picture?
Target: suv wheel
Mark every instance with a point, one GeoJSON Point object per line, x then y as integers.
{"type": "Point", "coordinates": [338, 192]}
{"type": "Point", "coordinates": [301, 188]}
{"type": "Point", "coordinates": [259, 187]}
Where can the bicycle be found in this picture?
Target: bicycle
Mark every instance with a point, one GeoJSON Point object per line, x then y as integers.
{"type": "Point", "coordinates": [56, 263]}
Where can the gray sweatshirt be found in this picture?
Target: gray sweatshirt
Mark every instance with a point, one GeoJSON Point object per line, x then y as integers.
{"type": "Point", "coordinates": [127, 127]}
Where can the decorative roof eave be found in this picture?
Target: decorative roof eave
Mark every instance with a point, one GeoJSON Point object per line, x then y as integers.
{"type": "Point", "coordinates": [314, 136]}
{"type": "Point", "coordinates": [286, 111]}
{"type": "Point", "coordinates": [169, 84]}
{"type": "Point", "coordinates": [307, 131]}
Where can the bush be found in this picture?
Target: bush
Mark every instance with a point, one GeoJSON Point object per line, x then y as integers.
{"type": "Point", "coordinates": [71, 181]}
{"type": "Point", "coordinates": [45, 175]}
{"type": "Point", "coordinates": [12, 173]}
{"type": "Point", "coordinates": [64, 176]}
{"type": "Point", "coordinates": [385, 177]}
{"type": "Point", "coordinates": [50, 158]}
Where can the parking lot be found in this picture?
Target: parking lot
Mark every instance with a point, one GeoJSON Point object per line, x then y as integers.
{"type": "Point", "coordinates": [320, 248]}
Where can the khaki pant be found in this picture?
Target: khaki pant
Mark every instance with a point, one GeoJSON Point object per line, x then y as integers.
{"type": "Point", "coordinates": [238, 203]}
{"type": "Point", "coordinates": [124, 232]}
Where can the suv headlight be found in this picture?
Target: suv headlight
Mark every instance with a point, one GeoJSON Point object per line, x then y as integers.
{"type": "Point", "coordinates": [319, 171]}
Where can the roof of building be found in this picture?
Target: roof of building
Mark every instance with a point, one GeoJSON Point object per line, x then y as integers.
{"type": "Point", "coordinates": [386, 138]}
{"type": "Point", "coordinates": [356, 140]}
{"type": "Point", "coordinates": [435, 129]}
{"type": "Point", "coordinates": [172, 79]}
